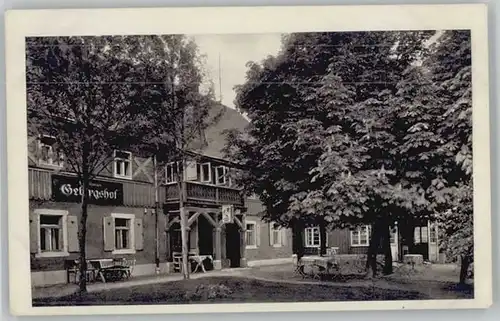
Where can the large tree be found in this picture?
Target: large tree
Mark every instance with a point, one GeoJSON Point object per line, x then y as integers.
{"type": "Point", "coordinates": [177, 106]}
{"type": "Point", "coordinates": [321, 131]}
{"type": "Point", "coordinates": [79, 92]}
{"type": "Point", "coordinates": [98, 94]}
{"type": "Point", "coordinates": [435, 108]}
{"type": "Point", "coordinates": [361, 174]}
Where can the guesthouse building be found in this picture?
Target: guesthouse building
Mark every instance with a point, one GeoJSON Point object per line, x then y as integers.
{"type": "Point", "coordinates": [355, 241]}
{"type": "Point", "coordinates": [224, 226]}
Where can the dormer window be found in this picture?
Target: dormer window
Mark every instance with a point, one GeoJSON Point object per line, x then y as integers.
{"type": "Point", "coordinates": [48, 155]}
{"type": "Point", "coordinates": [122, 165]}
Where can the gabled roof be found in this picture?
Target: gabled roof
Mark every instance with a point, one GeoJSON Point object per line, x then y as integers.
{"type": "Point", "coordinates": [215, 138]}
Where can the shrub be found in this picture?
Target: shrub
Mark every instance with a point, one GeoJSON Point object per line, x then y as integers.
{"type": "Point", "coordinates": [205, 292]}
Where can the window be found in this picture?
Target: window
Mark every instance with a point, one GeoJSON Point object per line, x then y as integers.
{"type": "Point", "coordinates": [276, 235]}
{"type": "Point", "coordinates": [51, 238]}
{"type": "Point", "coordinates": [424, 234]}
{"type": "Point", "coordinates": [421, 234]}
{"type": "Point", "coordinates": [433, 233]}
{"type": "Point", "coordinates": [171, 171]}
{"type": "Point", "coordinates": [416, 235]}
{"type": "Point", "coordinates": [206, 174]}
{"type": "Point", "coordinates": [312, 237]}
{"type": "Point", "coordinates": [222, 175]}
{"type": "Point", "coordinates": [51, 232]}
{"type": "Point", "coordinates": [123, 234]}
{"type": "Point", "coordinates": [361, 236]}
{"type": "Point", "coordinates": [48, 156]}
{"type": "Point", "coordinates": [123, 164]}
{"type": "Point", "coordinates": [251, 235]}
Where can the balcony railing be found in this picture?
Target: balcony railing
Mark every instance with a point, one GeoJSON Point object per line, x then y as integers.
{"type": "Point", "coordinates": [197, 192]}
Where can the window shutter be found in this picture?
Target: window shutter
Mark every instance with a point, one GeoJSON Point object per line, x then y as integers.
{"type": "Point", "coordinates": [72, 228]}
{"type": "Point", "coordinates": [191, 171]}
{"type": "Point", "coordinates": [257, 234]}
{"type": "Point", "coordinates": [109, 233]}
{"type": "Point", "coordinates": [138, 234]}
{"type": "Point", "coordinates": [271, 241]}
{"type": "Point", "coordinates": [283, 234]}
{"type": "Point", "coordinates": [33, 233]}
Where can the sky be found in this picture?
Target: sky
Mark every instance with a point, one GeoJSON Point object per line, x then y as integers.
{"type": "Point", "coordinates": [234, 51]}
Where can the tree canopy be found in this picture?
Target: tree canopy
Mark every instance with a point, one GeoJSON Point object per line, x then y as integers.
{"type": "Point", "coordinates": [80, 92]}
{"type": "Point", "coordinates": [361, 127]}
{"type": "Point", "coordinates": [321, 132]}
{"type": "Point", "coordinates": [97, 95]}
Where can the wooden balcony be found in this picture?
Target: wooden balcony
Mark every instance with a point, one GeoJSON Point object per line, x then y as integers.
{"type": "Point", "coordinates": [203, 193]}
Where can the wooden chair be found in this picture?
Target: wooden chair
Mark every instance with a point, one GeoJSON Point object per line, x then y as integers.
{"type": "Point", "coordinates": [299, 268]}
{"type": "Point", "coordinates": [177, 261]}
{"type": "Point", "coordinates": [91, 272]}
{"type": "Point", "coordinates": [129, 267]}
{"type": "Point", "coordinates": [332, 251]}
{"type": "Point", "coordinates": [72, 267]}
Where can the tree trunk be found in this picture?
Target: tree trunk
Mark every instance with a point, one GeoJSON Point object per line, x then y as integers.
{"type": "Point", "coordinates": [184, 227]}
{"type": "Point", "coordinates": [464, 267]}
{"type": "Point", "coordinates": [371, 258]}
{"type": "Point", "coordinates": [82, 233]}
{"type": "Point", "coordinates": [322, 238]}
{"type": "Point", "coordinates": [387, 249]}
{"type": "Point", "coordinates": [157, 210]}
{"type": "Point", "coordinates": [297, 240]}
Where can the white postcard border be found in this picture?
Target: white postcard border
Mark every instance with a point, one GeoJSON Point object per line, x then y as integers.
{"type": "Point", "coordinates": [219, 20]}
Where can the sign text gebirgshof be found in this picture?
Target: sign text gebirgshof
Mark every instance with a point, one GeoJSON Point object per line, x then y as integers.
{"type": "Point", "coordinates": [68, 189]}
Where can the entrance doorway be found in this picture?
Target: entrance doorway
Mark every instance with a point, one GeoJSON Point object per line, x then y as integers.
{"type": "Point", "coordinates": [174, 241]}
{"type": "Point", "coordinates": [233, 245]}
{"type": "Point", "coordinates": [421, 242]}
{"type": "Point", "coordinates": [205, 240]}
{"type": "Point", "coordinates": [205, 236]}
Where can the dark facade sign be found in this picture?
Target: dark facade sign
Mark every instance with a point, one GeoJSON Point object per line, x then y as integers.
{"type": "Point", "coordinates": [68, 189]}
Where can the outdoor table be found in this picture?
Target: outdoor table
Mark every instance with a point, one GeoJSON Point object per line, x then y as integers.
{"type": "Point", "coordinates": [198, 259]}
{"type": "Point", "coordinates": [324, 263]}
{"type": "Point", "coordinates": [114, 273]}
{"type": "Point", "coordinates": [110, 269]}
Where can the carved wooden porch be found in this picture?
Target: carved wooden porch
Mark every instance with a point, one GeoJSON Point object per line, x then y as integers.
{"type": "Point", "coordinates": [208, 234]}
{"type": "Point", "coordinates": [199, 193]}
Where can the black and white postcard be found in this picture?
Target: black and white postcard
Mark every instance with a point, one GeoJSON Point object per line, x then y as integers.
{"type": "Point", "coordinates": [183, 160]}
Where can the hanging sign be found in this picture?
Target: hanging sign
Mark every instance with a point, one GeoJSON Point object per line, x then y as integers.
{"type": "Point", "coordinates": [227, 213]}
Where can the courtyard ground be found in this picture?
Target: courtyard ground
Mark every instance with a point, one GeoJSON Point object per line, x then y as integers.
{"type": "Point", "coordinates": [228, 290]}
{"type": "Point", "coordinates": [265, 284]}
{"type": "Point", "coordinates": [436, 281]}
